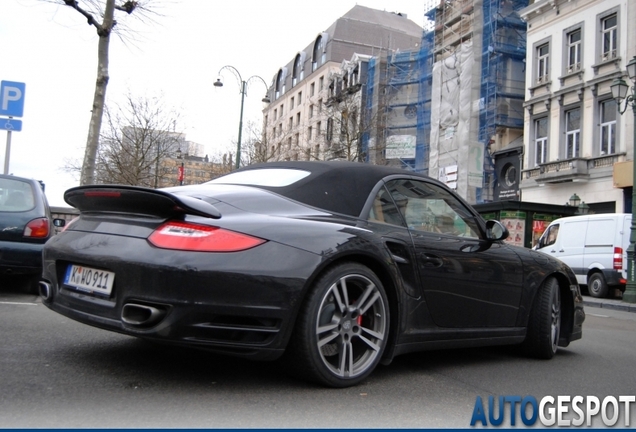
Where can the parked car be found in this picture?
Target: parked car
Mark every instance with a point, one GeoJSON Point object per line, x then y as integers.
{"type": "Point", "coordinates": [25, 225]}
{"type": "Point", "coordinates": [595, 248]}
{"type": "Point", "coordinates": [335, 266]}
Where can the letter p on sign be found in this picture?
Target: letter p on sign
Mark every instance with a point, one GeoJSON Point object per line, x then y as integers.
{"type": "Point", "coordinates": [12, 98]}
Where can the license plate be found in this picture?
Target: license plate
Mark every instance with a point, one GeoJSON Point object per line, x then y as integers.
{"type": "Point", "coordinates": [89, 279]}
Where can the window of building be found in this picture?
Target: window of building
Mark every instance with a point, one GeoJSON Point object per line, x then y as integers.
{"type": "Point", "coordinates": [318, 128]}
{"type": "Point", "coordinates": [543, 63]}
{"type": "Point", "coordinates": [343, 125]}
{"type": "Point", "coordinates": [297, 119]}
{"type": "Point", "coordinates": [309, 133]}
{"type": "Point", "coordinates": [541, 140]}
{"type": "Point", "coordinates": [329, 129]}
{"type": "Point", "coordinates": [289, 143]}
{"type": "Point", "coordinates": [297, 74]}
{"type": "Point", "coordinates": [296, 139]}
{"type": "Point", "coordinates": [312, 89]}
{"type": "Point", "coordinates": [572, 133]}
{"type": "Point", "coordinates": [608, 126]}
{"type": "Point", "coordinates": [317, 151]}
{"type": "Point", "coordinates": [609, 30]}
{"type": "Point", "coordinates": [291, 123]}
{"type": "Point", "coordinates": [317, 58]}
{"type": "Point", "coordinates": [275, 113]}
{"type": "Point", "coordinates": [300, 98]}
{"type": "Point", "coordinates": [280, 84]}
{"type": "Point", "coordinates": [311, 111]}
{"type": "Point", "coordinates": [574, 50]}
{"type": "Point", "coordinates": [319, 105]}
{"type": "Point", "coordinates": [321, 83]}
{"type": "Point", "coordinates": [291, 103]}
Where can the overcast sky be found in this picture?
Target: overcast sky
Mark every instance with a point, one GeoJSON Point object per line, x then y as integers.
{"type": "Point", "coordinates": [53, 51]}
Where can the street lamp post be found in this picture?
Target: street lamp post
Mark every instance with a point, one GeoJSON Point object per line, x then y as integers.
{"type": "Point", "coordinates": [157, 166]}
{"type": "Point", "coordinates": [180, 169]}
{"type": "Point", "coordinates": [620, 92]}
{"type": "Point", "coordinates": [243, 84]}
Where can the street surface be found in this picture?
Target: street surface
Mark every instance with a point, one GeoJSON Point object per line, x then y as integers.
{"type": "Point", "coordinates": [57, 373]}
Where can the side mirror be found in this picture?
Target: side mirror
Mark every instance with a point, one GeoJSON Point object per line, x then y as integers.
{"type": "Point", "coordinates": [496, 231]}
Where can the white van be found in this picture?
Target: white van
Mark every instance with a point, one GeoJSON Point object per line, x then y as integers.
{"type": "Point", "coordinates": [594, 246]}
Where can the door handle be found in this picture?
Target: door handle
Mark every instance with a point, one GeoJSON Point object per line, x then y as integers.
{"type": "Point", "coordinates": [429, 260]}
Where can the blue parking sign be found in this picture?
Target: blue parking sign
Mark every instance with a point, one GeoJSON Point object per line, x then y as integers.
{"type": "Point", "coordinates": [12, 98]}
{"type": "Point", "coordinates": [10, 124]}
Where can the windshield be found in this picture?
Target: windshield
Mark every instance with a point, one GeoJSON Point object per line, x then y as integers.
{"type": "Point", "coordinates": [271, 177]}
{"type": "Point", "coordinates": [15, 195]}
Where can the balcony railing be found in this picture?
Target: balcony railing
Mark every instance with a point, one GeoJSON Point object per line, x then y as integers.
{"type": "Point", "coordinates": [575, 169]}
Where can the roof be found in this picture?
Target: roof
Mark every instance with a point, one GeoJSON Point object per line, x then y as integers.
{"type": "Point", "coordinates": [391, 20]}
{"type": "Point", "coordinates": [336, 186]}
{"type": "Point", "coordinates": [361, 30]}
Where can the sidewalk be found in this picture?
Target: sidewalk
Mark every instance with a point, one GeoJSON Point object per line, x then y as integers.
{"type": "Point", "coordinates": [615, 304]}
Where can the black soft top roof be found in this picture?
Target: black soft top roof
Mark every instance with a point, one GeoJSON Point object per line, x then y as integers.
{"type": "Point", "coordinates": [336, 186]}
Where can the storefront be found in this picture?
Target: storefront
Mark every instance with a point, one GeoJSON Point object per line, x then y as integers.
{"type": "Point", "coordinates": [525, 221]}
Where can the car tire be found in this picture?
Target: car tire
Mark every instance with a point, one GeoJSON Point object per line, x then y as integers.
{"type": "Point", "coordinates": [342, 328]}
{"type": "Point", "coordinates": [596, 285]}
{"type": "Point", "coordinates": [544, 324]}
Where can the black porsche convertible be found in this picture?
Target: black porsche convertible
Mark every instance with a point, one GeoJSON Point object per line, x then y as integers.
{"type": "Point", "coordinates": [333, 266]}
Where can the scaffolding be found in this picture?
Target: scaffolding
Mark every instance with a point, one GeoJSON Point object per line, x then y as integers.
{"type": "Point", "coordinates": [416, 93]}
{"type": "Point", "coordinates": [491, 105]}
{"type": "Point", "coordinates": [400, 89]}
{"type": "Point", "coordinates": [502, 78]}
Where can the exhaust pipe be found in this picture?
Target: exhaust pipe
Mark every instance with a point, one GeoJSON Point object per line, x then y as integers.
{"type": "Point", "coordinates": [141, 315]}
{"type": "Point", "coordinates": [45, 290]}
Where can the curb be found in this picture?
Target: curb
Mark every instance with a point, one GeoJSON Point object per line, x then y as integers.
{"type": "Point", "coordinates": [607, 305]}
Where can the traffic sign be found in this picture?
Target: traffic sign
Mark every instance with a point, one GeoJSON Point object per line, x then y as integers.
{"type": "Point", "coordinates": [12, 125]}
{"type": "Point", "coordinates": [12, 98]}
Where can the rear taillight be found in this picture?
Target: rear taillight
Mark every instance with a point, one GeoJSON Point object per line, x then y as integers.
{"type": "Point", "coordinates": [192, 237]}
{"type": "Point", "coordinates": [618, 258]}
{"type": "Point", "coordinates": [37, 228]}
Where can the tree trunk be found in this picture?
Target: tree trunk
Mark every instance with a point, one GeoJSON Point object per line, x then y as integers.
{"type": "Point", "coordinates": [99, 98]}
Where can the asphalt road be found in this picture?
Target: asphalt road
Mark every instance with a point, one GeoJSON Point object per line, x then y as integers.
{"type": "Point", "coordinates": [56, 373]}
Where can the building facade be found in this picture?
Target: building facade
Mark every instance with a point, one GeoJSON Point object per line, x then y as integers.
{"type": "Point", "coordinates": [576, 141]}
{"type": "Point", "coordinates": [301, 122]}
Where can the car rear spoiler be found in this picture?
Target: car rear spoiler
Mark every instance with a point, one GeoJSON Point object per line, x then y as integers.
{"type": "Point", "coordinates": [137, 200]}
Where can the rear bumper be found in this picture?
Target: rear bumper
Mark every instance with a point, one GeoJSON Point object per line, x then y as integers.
{"type": "Point", "coordinates": [241, 304]}
{"type": "Point", "coordinates": [614, 278]}
{"type": "Point", "coordinates": [20, 258]}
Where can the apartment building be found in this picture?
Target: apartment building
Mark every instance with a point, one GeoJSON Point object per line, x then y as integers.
{"type": "Point", "coordinates": [576, 141]}
{"type": "Point", "coordinates": [299, 124]}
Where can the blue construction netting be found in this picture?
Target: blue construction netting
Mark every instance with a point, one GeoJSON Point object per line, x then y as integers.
{"type": "Point", "coordinates": [413, 69]}
{"type": "Point", "coordinates": [503, 59]}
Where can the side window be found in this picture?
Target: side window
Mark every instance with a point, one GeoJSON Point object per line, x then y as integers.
{"type": "Point", "coordinates": [385, 209]}
{"type": "Point", "coordinates": [427, 207]}
{"type": "Point", "coordinates": [550, 236]}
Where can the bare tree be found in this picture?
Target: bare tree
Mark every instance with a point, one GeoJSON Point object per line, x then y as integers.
{"type": "Point", "coordinates": [346, 127]}
{"type": "Point", "coordinates": [104, 10]}
{"type": "Point", "coordinates": [256, 148]}
{"type": "Point", "coordinates": [139, 144]}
